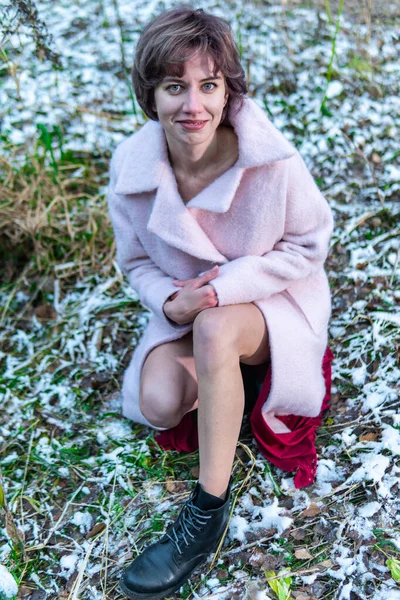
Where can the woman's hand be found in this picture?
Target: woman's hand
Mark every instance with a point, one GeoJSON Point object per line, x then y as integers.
{"type": "Point", "coordinates": [196, 295]}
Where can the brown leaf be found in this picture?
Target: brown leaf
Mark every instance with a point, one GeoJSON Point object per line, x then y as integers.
{"type": "Point", "coordinates": [179, 487]}
{"type": "Point", "coordinates": [272, 563]}
{"type": "Point", "coordinates": [326, 564]}
{"type": "Point", "coordinates": [38, 595]}
{"type": "Point", "coordinates": [195, 472]}
{"type": "Point", "coordinates": [302, 554]}
{"type": "Point", "coordinates": [24, 590]}
{"type": "Point", "coordinates": [312, 511]}
{"type": "Point", "coordinates": [45, 312]}
{"type": "Point", "coordinates": [170, 485]}
{"type": "Point", "coordinates": [221, 574]}
{"type": "Point", "coordinates": [298, 534]}
{"type": "Point", "coordinates": [98, 528]}
{"type": "Point", "coordinates": [376, 159]}
{"type": "Point", "coordinates": [368, 437]}
{"type": "Point", "coordinates": [335, 398]}
{"type": "Point", "coordinates": [376, 222]}
{"type": "Point", "coordinates": [375, 91]}
{"type": "Point", "coordinates": [14, 533]}
{"type": "Point", "coordinates": [257, 558]}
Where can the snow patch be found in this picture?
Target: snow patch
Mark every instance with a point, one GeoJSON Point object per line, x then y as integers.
{"type": "Point", "coordinates": [368, 510]}
{"type": "Point", "coordinates": [83, 520]}
{"type": "Point", "coordinates": [68, 564]}
{"type": "Point", "coordinates": [8, 585]}
{"type": "Point", "coordinates": [237, 528]}
{"type": "Point", "coordinates": [372, 469]}
{"type": "Point", "coordinates": [391, 439]}
{"type": "Point", "coordinates": [335, 88]}
{"type": "Point", "coordinates": [272, 518]}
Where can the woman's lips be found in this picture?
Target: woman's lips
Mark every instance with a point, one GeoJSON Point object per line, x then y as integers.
{"type": "Point", "coordinates": [193, 125]}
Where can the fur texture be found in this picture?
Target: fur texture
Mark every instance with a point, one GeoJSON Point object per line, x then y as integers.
{"type": "Point", "coordinates": [265, 223]}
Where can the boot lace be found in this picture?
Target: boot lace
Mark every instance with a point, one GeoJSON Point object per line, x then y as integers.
{"type": "Point", "coordinates": [191, 517]}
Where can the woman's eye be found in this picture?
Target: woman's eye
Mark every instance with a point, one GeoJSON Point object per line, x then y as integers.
{"type": "Point", "coordinates": [176, 87]}
{"type": "Point", "coordinates": [173, 88]}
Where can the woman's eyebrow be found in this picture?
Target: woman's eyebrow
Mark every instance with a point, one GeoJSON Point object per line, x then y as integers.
{"type": "Point", "coordinates": [171, 78]}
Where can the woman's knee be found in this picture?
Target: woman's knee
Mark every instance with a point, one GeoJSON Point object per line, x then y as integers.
{"type": "Point", "coordinates": [158, 410]}
{"type": "Point", "coordinates": [213, 337]}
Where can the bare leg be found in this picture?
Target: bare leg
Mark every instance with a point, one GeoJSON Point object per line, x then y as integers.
{"type": "Point", "coordinates": [222, 337]}
{"type": "Point", "coordinates": [168, 386]}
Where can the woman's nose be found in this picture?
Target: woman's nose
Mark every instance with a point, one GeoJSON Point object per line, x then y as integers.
{"type": "Point", "coordinates": [192, 101]}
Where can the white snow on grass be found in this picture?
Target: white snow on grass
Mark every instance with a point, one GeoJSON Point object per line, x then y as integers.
{"type": "Point", "coordinates": [373, 468]}
{"type": "Point", "coordinates": [8, 585]}
{"type": "Point", "coordinates": [271, 518]}
{"type": "Point", "coordinates": [68, 564]}
{"type": "Point", "coordinates": [238, 527]}
{"type": "Point", "coordinates": [328, 472]}
{"type": "Point", "coordinates": [368, 510]}
{"type": "Point", "coordinates": [335, 88]}
{"type": "Point", "coordinates": [118, 430]}
{"type": "Point", "coordinates": [83, 520]}
{"type": "Point", "coordinates": [391, 439]}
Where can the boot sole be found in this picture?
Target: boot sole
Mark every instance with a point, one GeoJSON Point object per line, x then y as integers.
{"type": "Point", "coordinates": [138, 596]}
{"type": "Point", "coordinates": [159, 595]}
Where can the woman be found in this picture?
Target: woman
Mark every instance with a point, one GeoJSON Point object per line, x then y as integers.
{"type": "Point", "coordinates": [222, 232]}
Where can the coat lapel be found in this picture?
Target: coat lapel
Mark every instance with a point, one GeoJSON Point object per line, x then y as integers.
{"type": "Point", "coordinates": [146, 167]}
{"type": "Point", "coordinates": [171, 220]}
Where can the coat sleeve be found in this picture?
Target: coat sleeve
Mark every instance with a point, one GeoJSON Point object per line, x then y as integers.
{"type": "Point", "coordinates": [152, 285]}
{"type": "Point", "coordinates": [300, 252]}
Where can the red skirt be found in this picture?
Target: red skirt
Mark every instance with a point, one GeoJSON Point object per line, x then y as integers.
{"type": "Point", "coordinates": [292, 451]}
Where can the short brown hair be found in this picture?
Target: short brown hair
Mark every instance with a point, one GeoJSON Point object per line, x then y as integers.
{"type": "Point", "coordinates": [177, 35]}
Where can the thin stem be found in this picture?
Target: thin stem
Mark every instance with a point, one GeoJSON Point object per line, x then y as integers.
{"type": "Point", "coordinates": [333, 55]}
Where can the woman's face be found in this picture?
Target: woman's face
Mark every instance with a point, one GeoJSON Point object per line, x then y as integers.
{"type": "Point", "coordinates": [190, 108]}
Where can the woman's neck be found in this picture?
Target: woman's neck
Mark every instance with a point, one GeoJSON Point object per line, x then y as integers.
{"type": "Point", "coordinates": [193, 160]}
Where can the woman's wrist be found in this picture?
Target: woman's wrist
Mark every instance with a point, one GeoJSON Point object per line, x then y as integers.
{"type": "Point", "coordinates": [166, 308]}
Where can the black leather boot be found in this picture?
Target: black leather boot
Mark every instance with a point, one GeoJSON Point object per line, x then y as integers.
{"type": "Point", "coordinates": [167, 564]}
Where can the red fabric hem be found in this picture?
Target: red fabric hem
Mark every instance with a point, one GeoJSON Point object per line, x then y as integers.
{"type": "Point", "coordinates": [293, 451]}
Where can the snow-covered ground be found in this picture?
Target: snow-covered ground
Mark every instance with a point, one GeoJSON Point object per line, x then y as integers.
{"type": "Point", "coordinates": [85, 487]}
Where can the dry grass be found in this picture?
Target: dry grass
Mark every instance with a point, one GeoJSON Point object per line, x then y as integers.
{"type": "Point", "coordinates": [53, 214]}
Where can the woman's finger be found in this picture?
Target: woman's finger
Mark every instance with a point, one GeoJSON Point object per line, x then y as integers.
{"type": "Point", "coordinates": [182, 282]}
{"type": "Point", "coordinates": [206, 277]}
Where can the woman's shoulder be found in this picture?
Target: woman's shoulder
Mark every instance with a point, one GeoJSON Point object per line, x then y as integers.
{"type": "Point", "coordinates": [260, 142]}
{"type": "Point", "coordinates": [137, 162]}
{"type": "Point", "coordinates": [132, 145]}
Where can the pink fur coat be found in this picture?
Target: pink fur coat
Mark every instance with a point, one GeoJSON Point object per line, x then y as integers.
{"type": "Point", "coordinates": [265, 223]}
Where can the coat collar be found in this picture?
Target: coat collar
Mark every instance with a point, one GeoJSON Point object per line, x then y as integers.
{"type": "Point", "coordinates": [144, 167]}
{"type": "Point", "coordinates": [145, 157]}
